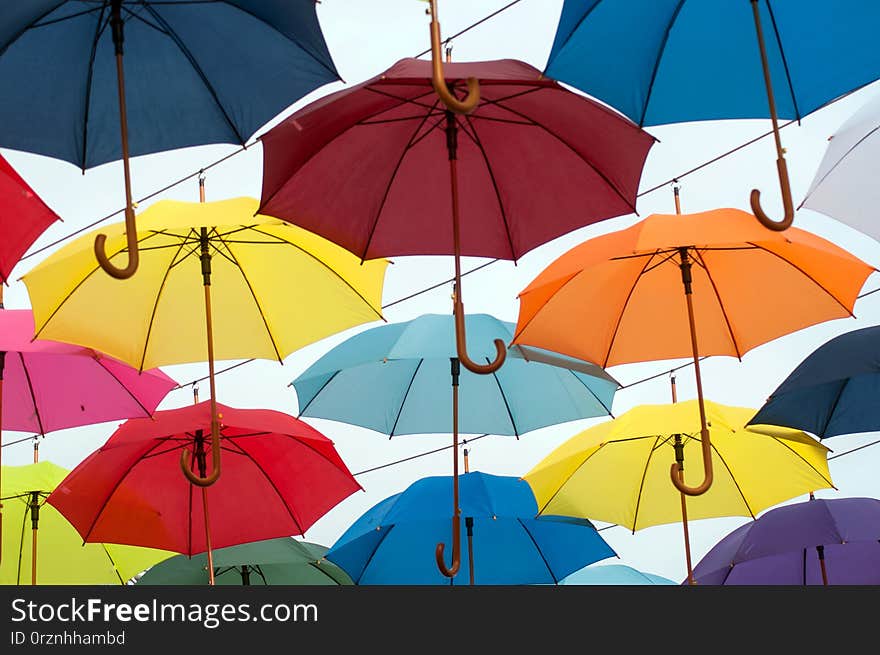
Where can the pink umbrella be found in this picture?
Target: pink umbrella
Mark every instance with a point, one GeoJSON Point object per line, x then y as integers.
{"type": "Point", "coordinates": [47, 385]}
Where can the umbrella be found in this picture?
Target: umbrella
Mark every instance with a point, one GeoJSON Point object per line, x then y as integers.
{"type": "Point", "coordinates": [507, 544]}
{"type": "Point", "coordinates": [614, 574]}
{"type": "Point", "coordinates": [518, 162]}
{"type": "Point", "coordinates": [283, 475]}
{"type": "Point", "coordinates": [47, 386]}
{"type": "Point", "coordinates": [281, 561]}
{"type": "Point", "coordinates": [23, 219]}
{"type": "Point", "coordinates": [276, 289]}
{"type": "Point", "coordinates": [608, 300]}
{"type": "Point", "coordinates": [64, 559]}
{"type": "Point", "coordinates": [199, 73]}
{"type": "Point", "coordinates": [618, 471]}
{"type": "Point", "coordinates": [394, 379]}
{"type": "Point", "coordinates": [819, 541]}
{"type": "Point", "coordinates": [843, 186]}
{"type": "Point", "coordinates": [689, 60]}
{"type": "Point", "coordinates": [833, 391]}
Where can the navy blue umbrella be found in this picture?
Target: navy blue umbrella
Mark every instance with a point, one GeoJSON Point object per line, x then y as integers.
{"type": "Point", "coordinates": [670, 61]}
{"type": "Point", "coordinates": [507, 543]}
{"type": "Point", "coordinates": [833, 391]}
{"type": "Point", "coordinates": [195, 73]}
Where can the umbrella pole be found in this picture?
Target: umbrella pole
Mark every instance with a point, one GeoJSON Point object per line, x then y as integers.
{"type": "Point", "coordinates": [704, 430]}
{"type": "Point", "coordinates": [202, 464]}
{"type": "Point", "coordinates": [820, 550]}
{"type": "Point", "coordinates": [116, 24]}
{"type": "Point", "coordinates": [679, 459]}
{"type": "Point", "coordinates": [35, 520]}
{"type": "Point", "coordinates": [781, 167]}
{"type": "Point", "coordinates": [456, 511]}
{"type": "Point", "coordinates": [469, 526]}
{"type": "Point", "coordinates": [245, 575]}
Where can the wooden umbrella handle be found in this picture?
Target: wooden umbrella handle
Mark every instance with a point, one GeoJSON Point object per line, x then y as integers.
{"type": "Point", "coordinates": [439, 81]}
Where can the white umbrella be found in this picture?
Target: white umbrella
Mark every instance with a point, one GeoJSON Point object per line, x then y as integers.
{"type": "Point", "coordinates": [845, 187]}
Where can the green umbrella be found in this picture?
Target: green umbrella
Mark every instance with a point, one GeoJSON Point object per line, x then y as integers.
{"type": "Point", "coordinates": [283, 561]}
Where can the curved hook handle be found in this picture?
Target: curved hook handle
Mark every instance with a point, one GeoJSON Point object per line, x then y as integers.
{"type": "Point", "coordinates": [788, 205]}
{"type": "Point", "coordinates": [703, 487]}
{"type": "Point", "coordinates": [132, 243]}
{"type": "Point", "coordinates": [461, 346]}
{"type": "Point", "coordinates": [215, 460]}
{"type": "Point", "coordinates": [456, 551]}
{"type": "Point", "coordinates": [439, 81]}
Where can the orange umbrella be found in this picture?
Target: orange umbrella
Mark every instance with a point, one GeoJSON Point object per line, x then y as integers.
{"type": "Point", "coordinates": [617, 298]}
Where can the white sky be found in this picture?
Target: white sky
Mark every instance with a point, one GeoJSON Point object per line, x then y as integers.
{"type": "Point", "coordinates": [367, 37]}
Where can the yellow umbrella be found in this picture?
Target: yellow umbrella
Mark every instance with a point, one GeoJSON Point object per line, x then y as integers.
{"type": "Point", "coordinates": [33, 525]}
{"type": "Point", "coordinates": [618, 471]}
{"type": "Point", "coordinates": [276, 288]}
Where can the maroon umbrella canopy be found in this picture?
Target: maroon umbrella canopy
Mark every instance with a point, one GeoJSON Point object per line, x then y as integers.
{"type": "Point", "coordinates": [368, 167]}
{"type": "Point", "coordinates": [23, 218]}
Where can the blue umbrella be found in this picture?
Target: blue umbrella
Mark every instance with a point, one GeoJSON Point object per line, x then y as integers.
{"type": "Point", "coordinates": [614, 574]}
{"type": "Point", "coordinates": [833, 391]}
{"type": "Point", "coordinates": [395, 379]}
{"type": "Point", "coordinates": [668, 61]}
{"type": "Point", "coordinates": [197, 73]}
{"type": "Point", "coordinates": [507, 545]}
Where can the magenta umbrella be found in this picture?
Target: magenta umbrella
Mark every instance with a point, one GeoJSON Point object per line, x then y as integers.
{"type": "Point", "coordinates": [47, 385]}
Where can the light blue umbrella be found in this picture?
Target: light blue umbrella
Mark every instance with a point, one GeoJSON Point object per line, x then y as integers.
{"type": "Point", "coordinates": [507, 544]}
{"type": "Point", "coordinates": [614, 574]}
{"type": "Point", "coordinates": [395, 379]}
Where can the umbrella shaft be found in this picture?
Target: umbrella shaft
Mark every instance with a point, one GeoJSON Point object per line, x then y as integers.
{"type": "Point", "coordinates": [771, 101]}
{"type": "Point", "coordinates": [208, 536]}
{"type": "Point", "coordinates": [34, 557]}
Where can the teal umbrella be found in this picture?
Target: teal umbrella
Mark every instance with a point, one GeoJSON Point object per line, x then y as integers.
{"type": "Point", "coordinates": [614, 574]}
{"type": "Point", "coordinates": [283, 561]}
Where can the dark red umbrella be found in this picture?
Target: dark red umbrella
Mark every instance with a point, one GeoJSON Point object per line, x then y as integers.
{"type": "Point", "coordinates": [23, 218]}
{"type": "Point", "coordinates": [280, 476]}
{"type": "Point", "coordinates": [489, 159]}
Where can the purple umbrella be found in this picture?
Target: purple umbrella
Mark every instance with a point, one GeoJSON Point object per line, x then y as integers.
{"type": "Point", "coordinates": [834, 541]}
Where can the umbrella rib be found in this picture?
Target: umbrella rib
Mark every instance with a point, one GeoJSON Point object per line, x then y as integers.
{"type": "Point", "coordinates": [834, 405]}
{"type": "Point", "coordinates": [156, 304]}
{"type": "Point", "coordinates": [405, 396]}
{"type": "Point", "coordinates": [623, 310]}
{"type": "Point", "coordinates": [44, 23]}
{"type": "Point", "coordinates": [116, 485]}
{"type": "Point", "coordinates": [592, 393]}
{"type": "Point", "coordinates": [797, 110]}
{"type": "Point", "coordinates": [373, 554]}
{"type": "Point", "coordinates": [113, 562]}
{"type": "Point", "coordinates": [568, 478]}
{"type": "Point", "coordinates": [317, 566]}
{"type": "Point", "coordinates": [33, 396]}
{"type": "Point", "coordinates": [720, 304]}
{"type": "Point", "coordinates": [642, 484]}
{"type": "Point", "coordinates": [397, 166]}
{"type": "Point", "coordinates": [198, 69]}
{"type": "Point", "coordinates": [537, 312]}
{"type": "Point", "coordinates": [100, 26]}
{"type": "Point", "coordinates": [504, 398]}
{"type": "Point", "coordinates": [732, 477]}
{"type": "Point", "coordinates": [801, 457]}
{"type": "Point", "coordinates": [100, 361]}
{"type": "Point", "coordinates": [323, 386]}
{"type": "Point", "coordinates": [660, 51]}
{"type": "Point", "coordinates": [538, 550]}
{"type": "Point", "coordinates": [384, 121]}
{"type": "Point", "coordinates": [595, 168]}
{"type": "Point", "coordinates": [479, 143]}
{"type": "Point", "coordinates": [577, 26]}
{"type": "Point", "coordinates": [328, 267]}
{"type": "Point", "coordinates": [868, 135]}
{"type": "Point", "coordinates": [402, 99]}
{"type": "Point", "coordinates": [79, 284]}
{"type": "Point", "coordinates": [807, 275]}
{"type": "Point", "coordinates": [271, 481]}
{"type": "Point", "coordinates": [32, 25]}
{"type": "Point", "coordinates": [254, 296]}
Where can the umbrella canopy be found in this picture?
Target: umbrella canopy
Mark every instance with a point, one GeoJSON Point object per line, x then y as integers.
{"type": "Point", "coordinates": [282, 561]}
{"type": "Point", "coordinates": [392, 542]}
{"type": "Point", "coordinates": [832, 541]}
{"type": "Point", "coordinates": [690, 60]}
{"type": "Point", "coordinates": [51, 386]}
{"type": "Point", "coordinates": [843, 185]}
{"type": "Point", "coordinates": [614, 574]}
{"type": "Point", "coordinates": [618, 298]}
{"type": "Point", "coordinates": [395, 379]}
{"type": "Point", "coordinates": [833, 391]}
{"type": "Point", "coordinates": [23, 219]}
{"type": "Point", "coordinates": [275, 288]}
{"type": "Point", "coordinates": [282, 476]}
{"type": "Point", "coordinates": [535, 161]}
{"type": "Point", "coordinates": [197, 73]}
{"type": "Point", "coordinates": [618, 471]}
{"type": "Point", "coordinates": [62, 558]}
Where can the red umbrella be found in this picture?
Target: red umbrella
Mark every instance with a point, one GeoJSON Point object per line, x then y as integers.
{"type": "Point", "coordinates": [23, 218]}
{"type": "Point", "coordinates": [281, 475]}
{"type": "Point", "coordinates": [375, 168]}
